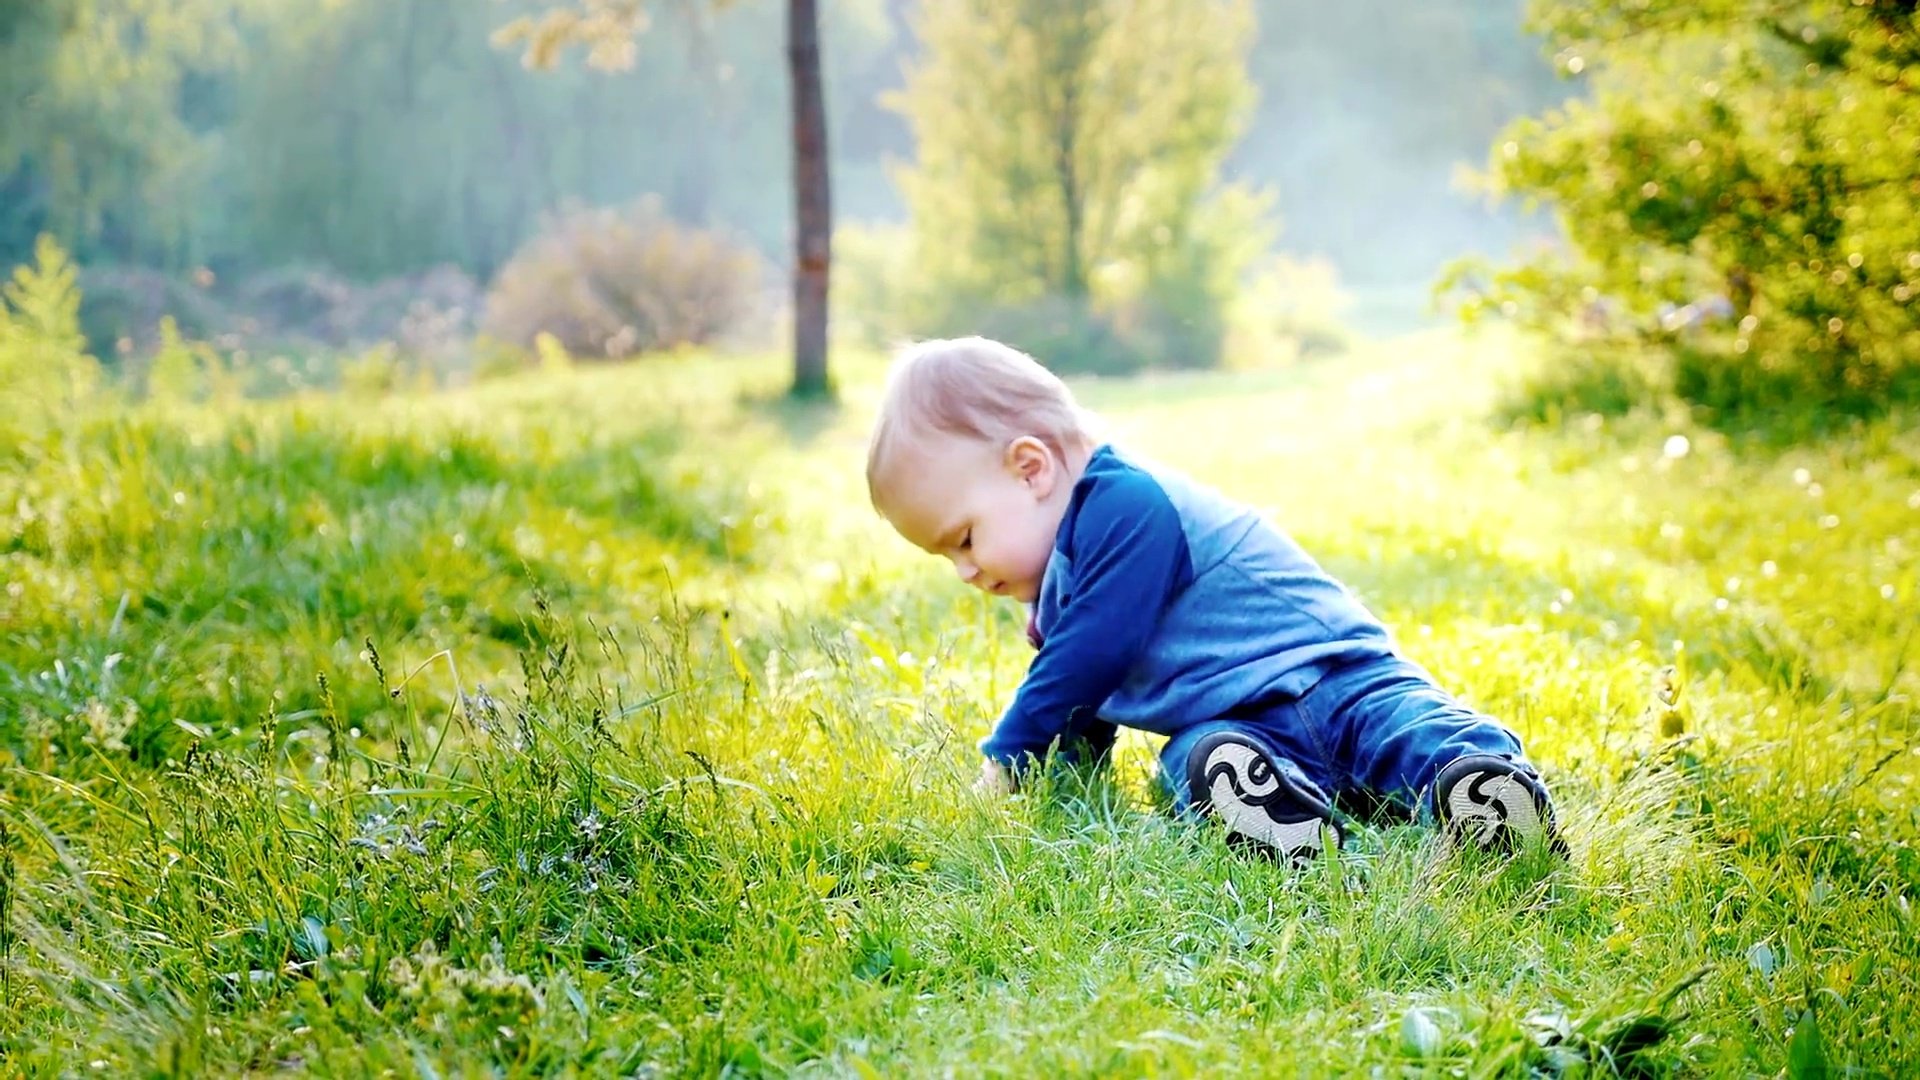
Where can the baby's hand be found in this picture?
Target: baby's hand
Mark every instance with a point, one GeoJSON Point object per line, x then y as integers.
{"type": "Point", "coordinates": [994, 779]}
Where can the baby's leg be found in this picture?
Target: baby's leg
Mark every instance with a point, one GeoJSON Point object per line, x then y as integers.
{"type": "Point", "coordinates": [1402, 738]}
{"type": "Point", "coordinates": [1249, 779]}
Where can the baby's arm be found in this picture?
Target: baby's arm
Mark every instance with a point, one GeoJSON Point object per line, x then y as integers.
{"type": "Point", "coordinates": [1087, 735]}
{"type": "Point", "coordinates": [1129, 557]}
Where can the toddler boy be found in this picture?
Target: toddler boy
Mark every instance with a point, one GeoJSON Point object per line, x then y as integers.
{"type": "Point", "coordinates": [1158, 604]}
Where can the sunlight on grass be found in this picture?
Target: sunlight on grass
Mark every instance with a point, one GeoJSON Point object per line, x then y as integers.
{"type": "Point", "coordinates": [595, 723]}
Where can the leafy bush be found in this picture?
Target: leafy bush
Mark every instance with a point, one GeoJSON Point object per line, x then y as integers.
{"type": "Point", "coordinates": [1063, 335]}
{"type": "Point", "coordinates": [186, 371]}
{"type": "Point", "coordinates": [422, 313]}
{"type": "Point", "coordinates": [883, 297]}
{"type": "Point", "coordinates": [1188, 273]}
{"type": "Point", "coordinates": [123, 306]}
{"type": "Point", "coordinates": [1743, 189]}
{"type": "Point", "coordinates": [610, 282]}
{"type": "Point", "coordinates": [429, 315]}
{"type": "Point", "coordinates": [1294, 310]}
{"type": "Point", "coordinates": [45, 371]}
{"type": "Point", "coordinates": [294, 301]}
{"type": "Point", "coordinates": [1581, 380]}
{"type": "Point", "coordinates": [876, 297]}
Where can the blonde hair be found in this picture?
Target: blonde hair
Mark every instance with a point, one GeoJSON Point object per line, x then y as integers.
{"type": "Point", "coordinates": [975, 388]}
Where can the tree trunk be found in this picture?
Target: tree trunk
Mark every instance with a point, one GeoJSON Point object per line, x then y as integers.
{"type": "Point", "coordinates": [813, 206]}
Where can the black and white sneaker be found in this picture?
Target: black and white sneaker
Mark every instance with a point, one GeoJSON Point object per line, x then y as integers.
{"type": "Point", "coordinates": [1233, 775]}
{"type": "Point", "coordinates": [1494, 804]}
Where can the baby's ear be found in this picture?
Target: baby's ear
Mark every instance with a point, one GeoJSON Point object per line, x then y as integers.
{"type": "Point", "coordinates": [1032, 462]}
{"type": "Point", "coordinates": [1029, 459]}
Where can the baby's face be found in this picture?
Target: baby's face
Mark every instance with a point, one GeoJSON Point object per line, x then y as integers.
{"type": "Point", "coordinates": [993, 510]}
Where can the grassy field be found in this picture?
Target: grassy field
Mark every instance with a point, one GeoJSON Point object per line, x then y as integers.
{"type": "Point", "coordinates": [590, 724]}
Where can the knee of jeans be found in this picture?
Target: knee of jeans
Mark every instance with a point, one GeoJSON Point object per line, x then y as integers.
{"type": "Point", "coordinates": [1173, 756]}
{"type": "Point", "coordinates": [1176, 756]}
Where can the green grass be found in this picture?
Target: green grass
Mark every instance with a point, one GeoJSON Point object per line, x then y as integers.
{"type": "Point", "coordinates": [590, 724]}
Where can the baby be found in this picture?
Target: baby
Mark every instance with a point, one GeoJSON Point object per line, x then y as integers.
{"type": "Point", "coordinates": [1158, 604]}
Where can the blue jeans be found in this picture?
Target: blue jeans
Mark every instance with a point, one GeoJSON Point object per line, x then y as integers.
{"type": "Point", "coordinates": [1372, 736]}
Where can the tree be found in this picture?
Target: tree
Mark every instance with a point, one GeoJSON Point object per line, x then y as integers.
{"type": "Point", "coordinates": [1742, 190]}
{"type": "Point", "coordinates": [813, 202]}
{"type": "Point", "coordinates": [99, 145]}
{"type": "Point", "coordinates": [1068, 156]}
{"type": "Point", "coordinates": [607, 29]}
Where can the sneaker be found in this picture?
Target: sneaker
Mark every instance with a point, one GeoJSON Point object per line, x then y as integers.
{"type": "Point", "coordinates": [1495, 804]}
{"type": "Point", "coordinates": [1234, 776]}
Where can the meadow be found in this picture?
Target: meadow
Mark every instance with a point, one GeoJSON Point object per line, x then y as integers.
{"type": "Point", "coordinates": [588, 722]}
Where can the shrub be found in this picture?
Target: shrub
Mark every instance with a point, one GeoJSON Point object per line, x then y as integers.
{"type": "Point", "coordinates": [1583, 379]}
{"type": "Point", "coordinates": [1293, 311]}
{"type": "Point", "coordinates": [429, 314]}
{"type": "Point", "coordinates": [875, 299]}
{"type": "Point", "coordinates": [122, 308]}
{"type": "Point", "coordinates": [297, 301]}
{"type": "Point", "coordinates": [617, 282]}
{"type": "Point", "coordinates": [1166, 304]}
{"type": "Point", "coordinates": [1065, 336]}
{"type": "Point", "coordinates": [186, 371]}
{"type": "Point", "coordinates": [45, 372]}
{"type": "Point", "coordinates": [1741, 189]}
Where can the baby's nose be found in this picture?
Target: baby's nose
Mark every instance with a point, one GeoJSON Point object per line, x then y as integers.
{"type": "Point", "coordinates": [966, 570]}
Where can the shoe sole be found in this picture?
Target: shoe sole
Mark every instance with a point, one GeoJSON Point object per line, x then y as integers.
{"type": "Point", "coordinates": [1497, 807]}
{"type": "Point", "coordinates": [1257, 802]}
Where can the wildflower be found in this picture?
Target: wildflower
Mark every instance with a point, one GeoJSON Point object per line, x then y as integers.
{"type": "Point", "coordinates": [591, 825]}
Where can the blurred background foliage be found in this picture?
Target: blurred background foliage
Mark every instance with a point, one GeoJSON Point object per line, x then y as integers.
{"type": "Point", "coordinates": [1740, 200]}
{"type": "Point", "coordinates": [312, 173]}
{"type": "Point", "coordinates": [1710, 202]}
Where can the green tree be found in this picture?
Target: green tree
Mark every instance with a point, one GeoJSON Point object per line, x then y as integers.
{"type": "Point", "coordinates": [1068, 154]}
{"type": "Point", "coordinates": [382, 136]}
{"type": "Point", "coordinates": [607, 29]}
{"type": "Point", "coordinates": [100, 144]}
{"type": "Point", "coordinates": [1742, 189]}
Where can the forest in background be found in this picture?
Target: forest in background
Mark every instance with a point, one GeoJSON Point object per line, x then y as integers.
{"type": "Point", "coordinates": [372, 140]}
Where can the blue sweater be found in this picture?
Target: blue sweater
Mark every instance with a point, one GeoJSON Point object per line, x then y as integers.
{"type": "Point", "coordinates": [1165, 604]}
